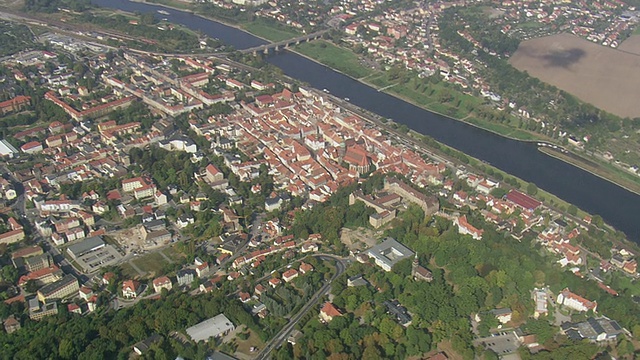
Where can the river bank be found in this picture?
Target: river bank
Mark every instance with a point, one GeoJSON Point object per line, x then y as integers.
{"type": "Point", "coordinates": [589, 166]}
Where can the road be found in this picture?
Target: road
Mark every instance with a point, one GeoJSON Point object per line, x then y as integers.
{"type": "Point", "coordinates": [282, 335]}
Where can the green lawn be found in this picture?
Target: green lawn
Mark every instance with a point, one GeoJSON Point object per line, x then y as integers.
{"type": "Point", "coordinates": [502, 129]}
{"type": "Point", "coordinates": [272, 32]}
{"type": "Point", "coordinates": [622, 282]}
{"type": "Point", "coordinates": [172, 3]}
{"type": "Point", "coordinates": [173, 253]}
{"type": "Point", "coordinates": [335, 57]}
{"type": "Point", "coordinates": [128, 271]}
{"type": "Point", "coordinates": [152, 264]}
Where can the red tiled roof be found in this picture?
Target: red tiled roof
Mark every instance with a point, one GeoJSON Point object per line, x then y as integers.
{"type": "Point", "coordinates": [330, 310]}
{"type": "Point", "coordinates": [522, 200]}
{"type": "Point", "coordinates": [26, 251]}
{"type": "Point", "coordinates": [161, 281]}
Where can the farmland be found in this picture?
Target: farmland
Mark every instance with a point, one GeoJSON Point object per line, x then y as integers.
{"type": "Point", "coordinates": [605, 77]}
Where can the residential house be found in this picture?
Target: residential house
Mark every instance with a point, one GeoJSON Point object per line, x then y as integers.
{"type": "Point", "coordinates": [274, 282]}
{"type": "Point", "coordinates": [503, 315]}
{"type": "Point", "coordinates": [162, 282]}
{"type": "Point", "coordinates": [259, 289]}
{"type": "Point", "coordinates": [131, 289]}
{"type": "Point", "coordinates": [245, 297]}
{"type": "Point", "coordinates": [328, 312]}
{"type": "Point", "coordinates": [85, 293]}
{"type": "Point", "coordinates": [202, 270]}
{"type": "Point", "coordinates": [108, 277]}
{"type": "Point", "coordinates": [185, 277]}
{"type": "Point", "coordinates": [305, 268]}
{"type": "Point", "coordinates": [11, 324]}
{"type": "Point", "coordinates": [73, 308]}
{"type": "Point", "coordinates": [289, 275]}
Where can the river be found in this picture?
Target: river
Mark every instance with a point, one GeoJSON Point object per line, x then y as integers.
{"type": "Point", "coordinates": [617, 206]}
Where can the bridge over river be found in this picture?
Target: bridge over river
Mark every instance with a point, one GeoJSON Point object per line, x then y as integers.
{"type": "Point", "coordinates": [284, 43]}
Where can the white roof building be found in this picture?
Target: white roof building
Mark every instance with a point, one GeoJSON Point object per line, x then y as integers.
{"type": "Point", "coordinates": [213, 327]}
{"type": "Point", "coordinates": [388, 253]}
{"type": "Point", "coordinates": [6, 149]}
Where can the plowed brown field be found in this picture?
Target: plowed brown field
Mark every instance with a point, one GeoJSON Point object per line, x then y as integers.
{"type": "Point", "coordinates": [605, 77]}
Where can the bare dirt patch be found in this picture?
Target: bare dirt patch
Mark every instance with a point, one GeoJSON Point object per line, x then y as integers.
{"type": "Point", "coordinates": [631, 45]}
{"type": "Point", "coordinates": [605, 77]}
{"type": "Point", "coordinates": [243, 351]}
{"type": "Point", "coordinates": [131, 239]}
{"type": "Point", "coordinates": [358, 239]}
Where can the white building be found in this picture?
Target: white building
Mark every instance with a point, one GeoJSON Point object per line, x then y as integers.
{"type": "Point", "coordinates": [214, 327]}
{"type": "Point", "coordinates": [576, 302]}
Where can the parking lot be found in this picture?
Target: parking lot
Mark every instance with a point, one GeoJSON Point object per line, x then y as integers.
{"type": "Point", "coordinates": [500, 343]}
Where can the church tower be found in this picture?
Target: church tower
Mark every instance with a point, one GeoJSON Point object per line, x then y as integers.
{"type": "Point", "coordinates": [414, 266]}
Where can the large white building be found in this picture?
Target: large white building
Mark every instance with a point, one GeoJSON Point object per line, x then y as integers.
{"type": "Point", "coordinates": [388, 253]}
{"type": "Point", "coordinates": [216, 326]}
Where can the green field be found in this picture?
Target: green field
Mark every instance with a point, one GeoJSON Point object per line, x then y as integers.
{"type": "Point", "coordinates": [152, 264]}
{"type": "Point", "coordinates": [335, 57]}
{"type": "Point", "coordinates": [173, 253]}
{"type": "Point", "coordinates": [272, 32]}
{"type": "Point", "coordinates": [504, 130]}
{"type": "Point", "coordinates": [172, 3]}
{"type": "Point", "coordinates": [624, 283]}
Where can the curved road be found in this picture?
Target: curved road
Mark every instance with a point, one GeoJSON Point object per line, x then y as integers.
{"type": "Point", "coordinates": [282, 335]}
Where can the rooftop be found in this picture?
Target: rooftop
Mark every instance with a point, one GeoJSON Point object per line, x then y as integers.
{"type": "Point", "coordinates": [214, 326]}
{"type": "Point", "coordinates": [390, 252]}
{"type": "Point", "coordinates": [86, 245]}
{"type": "Point", "coordinates": [53, 287]}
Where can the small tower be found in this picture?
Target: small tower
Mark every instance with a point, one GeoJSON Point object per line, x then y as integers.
{"type": "Point", "coordinates": [414, 266]}
{"type": "Point", "coordinates": [420, 273]}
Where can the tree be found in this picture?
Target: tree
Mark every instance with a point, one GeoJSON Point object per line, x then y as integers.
{"type": "Point", "coordinates": [9, 274]}
{"type": "Point", "coordinates": [543, 330]}
{"type": "Point", "coordinates": [572, 210]}
{"type": "Point", "coordinates": [597, 221]}
{"type": "Point", "coordinates": [31, 286]}
{"type": "Point", "coordinates": [499, 192]}
{"type": "Point", "coordinates": [490, 355]}
{"type": "Point", "coordinates": [532, 189]}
